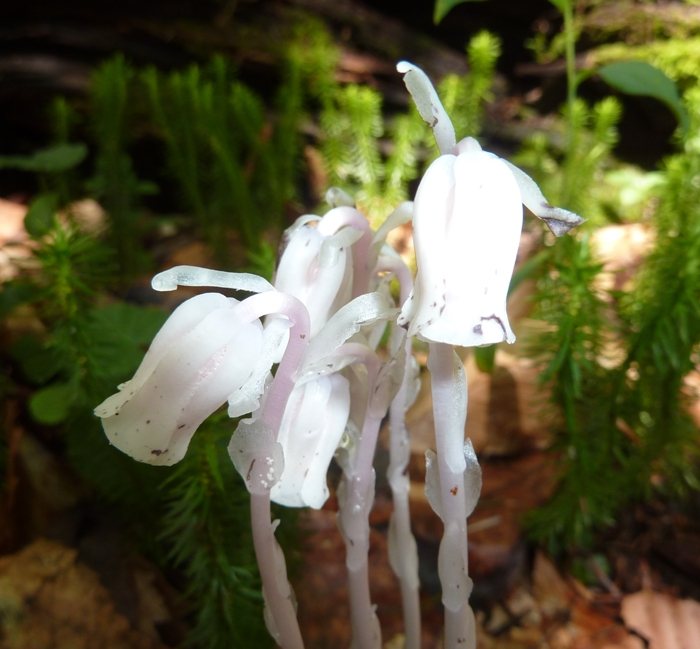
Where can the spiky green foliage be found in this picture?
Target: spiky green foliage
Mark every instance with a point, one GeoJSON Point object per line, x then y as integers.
{"type": "Point", "coordinates": [578, 329]}
{"type": "Point", "coordinates": [206, 526]}
{"type": "Point", "coordinates": [375, 163]}
{"type": "Point", "coordinates": [571, 349]}
{"type": "Point", "coordinates": [464, 98]}
{"type": "Point", "coordinates": [664, 326]}
{"type": "Point", "coordinates": [195, 513]}
{"type": "Point", "coordinates": [114, 183]}
{"type": "Point", "coordinates": [625, 431]}
{"type": "Point", "coordinates": [63, 119]}
{"type": "Point", "coordinates": [237, 170]}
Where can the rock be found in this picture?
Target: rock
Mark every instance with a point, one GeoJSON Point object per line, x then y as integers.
{"type": "Point", "coordinates": [51, 601]}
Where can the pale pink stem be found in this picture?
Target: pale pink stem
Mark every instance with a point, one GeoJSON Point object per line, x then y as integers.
{"type": "Point", "coordinates": [406, 554]}
{"type": "Point", "coordinates": [355, 509]}
{"type": "Point", "coordinates": [275, 586]}
{"type": "Point", "coordinates": [274, 302]}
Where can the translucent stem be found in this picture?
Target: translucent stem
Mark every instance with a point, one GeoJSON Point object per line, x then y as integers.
{"type": "Point", "coordinates": [276, 588]}
{"type": "Point", "coordinates": [403, 551]}
{"type": "Point", "coordinates": [356, 499]}
{"type": "Point", "coordinates": [450, 412]}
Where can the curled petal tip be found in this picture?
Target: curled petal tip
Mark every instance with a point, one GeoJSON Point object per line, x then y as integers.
{"type": "Point", "coordinates": [336, 197]}
{"type": "Point", "coordinates": [560, 221]}
{"type": "Point", "coordinates": [164, 281]}
{"type": "Point", "coordinates": [429, 105]}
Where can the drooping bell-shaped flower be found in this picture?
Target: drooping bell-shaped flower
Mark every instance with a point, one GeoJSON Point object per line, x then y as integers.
{"type": "Point", "coordinates": [317, 262]}
{"type": "Point", "coordinates": [466, 226]}
{"type": "Point", "coordinates": [203, 354]}
{"type": "Point", "coordinates": [314, 421]}
{"type": "Point", "coordinates": [466, 229]}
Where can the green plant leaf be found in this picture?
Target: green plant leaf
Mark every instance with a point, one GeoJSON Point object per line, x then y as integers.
{"type": "Point", "coordinates": [641, 78]}
{"type": "Point", "coordinates": [53, 159]}
{"type": "Point", "coordinates": [560, 4]}
{"type": "Point", "coordinates": [117, 337]}
{"type": "Point", "coordinates": [38, 364]}
{"type": "Point", "coordinates": [39, 218]}
{"type": "Point", "coordinates": [442, 8]}
{"type": "Point", "coordinates": [52, 405]}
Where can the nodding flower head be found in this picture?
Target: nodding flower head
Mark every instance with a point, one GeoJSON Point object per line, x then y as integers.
{"type": "Point", "coordinates": [467, 221]}
{"type": "Point", "coordinates": [203, 354]}
{"type": "Point", "coordinates": [466, 228]}
{"type": "Point", "coordinates": [309, 440]}
{"type": "Point", "coordinates": [320, 265]}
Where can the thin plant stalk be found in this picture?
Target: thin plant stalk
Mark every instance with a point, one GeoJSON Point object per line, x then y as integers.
{"type": "Point", "coordinates": [570, 50]}
{"type": "Point", "coordinates": [276, 588]}
{"type": "Point", "coordinates": [356, 498]}
{"type": "Point", "coordinates": [278, 594]}
{"type": "Point", "coordinates": [403, 552]}
{"type": "Point", "coordinates": [450, 414]}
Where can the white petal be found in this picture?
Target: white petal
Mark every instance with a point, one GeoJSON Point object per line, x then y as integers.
{"type": "Point", "coordinates": [334, 245]}
{"type": "Point", "coordinates": [192, 379]}
{"type": "Point", "coordinates": [559, 220]}
{"type": "Point", "coordinates": [309, 440]}
{"type": "Point", "coordinates": [336, 197]}
{"type": "Point", "coordinates": [181, 322]}
{"type": "Point", "coordinates": [320, 287]}
{"type": "Point", "coordinates": [247, 398]}
{"type": "Point", "coordinates": [400, 216]}
{"type": "Point", "coordinates": [467, 224]}
{"type": "Point", "coordinates": [169, 280]}
{"type": "Point", "coordinates": [429, 105]}
{"type": "Point", "coordinates": [362, 311]}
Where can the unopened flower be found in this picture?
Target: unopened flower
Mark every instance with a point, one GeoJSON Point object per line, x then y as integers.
{"type": "Point", "coordinates": [317, 263]}
{"type": "Point", "coordinates": [203, 354]}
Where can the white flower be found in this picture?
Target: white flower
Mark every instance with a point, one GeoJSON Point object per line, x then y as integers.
{"type": "Point", "coordinates": [316, 264]}
{"type": "Point", "coordinates": [466, 228]}
{"type": "Point", "coordinates": [467, 222]}
{"type": "Point", "coordinates": [203, 354]}
{"type": "Point", "coordinates": [314, 421]}
{"type": "Point", "coordinates": [292, 464]}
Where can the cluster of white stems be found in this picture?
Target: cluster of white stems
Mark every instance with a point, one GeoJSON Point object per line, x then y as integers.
{"type": "Point", "coordinates": [320, 322]}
